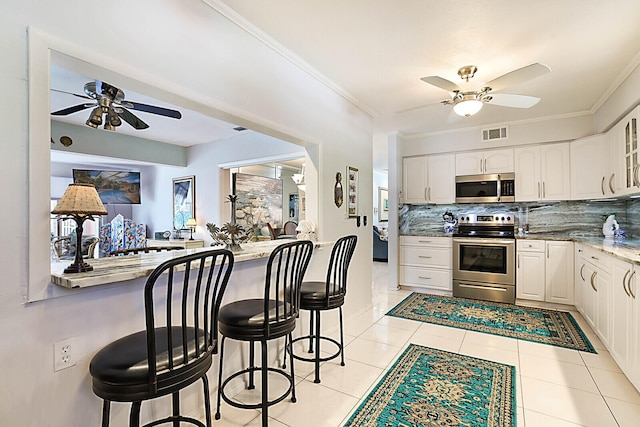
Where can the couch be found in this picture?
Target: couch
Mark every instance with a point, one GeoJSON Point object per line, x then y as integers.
{"type": "Point", "coordinates": [380, 246]}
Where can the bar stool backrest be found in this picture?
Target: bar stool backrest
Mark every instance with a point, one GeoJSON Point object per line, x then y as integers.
{"type": "Point", "coordinates": [182, 299]}
{"type": "Point", "coordinates": [285, 271]}
{"type": "Point", "coordinates": [341, 255]}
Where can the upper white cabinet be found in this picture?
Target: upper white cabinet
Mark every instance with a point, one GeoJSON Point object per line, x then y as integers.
{"type": "Point", "coordinates": [591, 174]}
{"type": "Point", "coordinates": [625, 135]}
{"type": "Point", "coordinates": [488, 161]}
{"type": "Point", "coordinates": [429, 179]}
{"type": "Point", "coordinates": [542, 172]}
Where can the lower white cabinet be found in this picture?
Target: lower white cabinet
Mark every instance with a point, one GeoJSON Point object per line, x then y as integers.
{"type": "Point", "coordinates": [625, 331]}
{"type": "Point", "coordinates": [594, 286]}
{"type": "Point", "coordinates": [544, 271]}
{"type": "Point", "coordinates": [426, 262]}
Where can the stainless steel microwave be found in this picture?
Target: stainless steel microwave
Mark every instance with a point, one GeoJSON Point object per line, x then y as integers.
{"type": "Point", "coordinates": [487, 188]}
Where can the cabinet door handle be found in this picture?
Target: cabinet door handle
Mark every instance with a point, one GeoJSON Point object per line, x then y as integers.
{"type": "Point", "coordinates": [544, 193]}
{"type": "Point", "coordinates": [426, 193]}
{"type": "Point", "coordinates": [538, 189]}
{"type": "Point", "coordinates": [596, 258]}
{"type": "Point", "coordinates": [629, 284]}
{"type": "Point", "coordinates": [518, 261]}
{"type": "Point", "coordinates": [625, 283]}
{"type": "Point", "coordinates": [481, 166]}
{"type": "Point", "coordinates": [429, 198]}
{"type": "Point", "coordinates": [425, 278]}
{"type": "Point", "coordinates": [602, 185]}
{"type": "Point", "coordinates": [424, 241]}
{"type": "Point", "coordinates": [580, 250]}
{"type": "Point", "coordinates": [424, 256]}
{"type": "Point", "coordinates": [485, 165]}
{"type": "Point", "coordinates": [582, 268]}
{"type": "Point", "coordinates": [613, 190]}
{"type": "Point", "coordinates": [593, 276]}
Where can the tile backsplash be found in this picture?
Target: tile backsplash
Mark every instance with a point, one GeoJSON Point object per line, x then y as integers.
{"type": "Point", "coordinates": [568, 217]}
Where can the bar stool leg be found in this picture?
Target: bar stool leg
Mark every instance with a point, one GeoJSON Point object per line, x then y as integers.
{"type": "Point", "coordinates": [311, 314]}
{"type": "Point", "coordinates": [293, 378]}
{"type": "Point", "coordinates": [134, 416]}
{"type": "Point", "coordinates": [220, 378]}
{"type": "Point", "coordinates": [341, 340]}
{"type": "Point", "coordinates": [252, 365]}
{"type": "Point", "coordinates": [265, 385]}
{"type": "Point", "coordinates": [317, 355]}
{"type": "Point", "coordinates": [207, 402]}
{"type": "Point", "coordinates": [106, 408]}
{"type": "Point", "coordinates": [176, 408]}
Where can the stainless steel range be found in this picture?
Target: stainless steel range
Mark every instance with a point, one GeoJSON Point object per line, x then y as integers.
{"type": "Point", "coordinates": [484, 257]}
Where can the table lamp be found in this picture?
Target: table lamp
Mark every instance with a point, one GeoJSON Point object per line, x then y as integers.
{"type": "Point", "coordinates": [80, 202]}
{"type": "Point", "coordinates": [191, 223]}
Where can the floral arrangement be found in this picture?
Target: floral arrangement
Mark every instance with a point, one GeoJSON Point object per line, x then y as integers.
{"type": "Point", "coordinates": [306, 230]}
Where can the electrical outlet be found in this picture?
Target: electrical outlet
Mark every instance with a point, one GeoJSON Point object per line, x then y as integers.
{"type": "Point", "coordinates": [63, 354]}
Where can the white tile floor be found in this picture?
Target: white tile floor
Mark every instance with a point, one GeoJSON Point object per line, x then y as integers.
{"type": "Point", "coordinates": [556, 387]}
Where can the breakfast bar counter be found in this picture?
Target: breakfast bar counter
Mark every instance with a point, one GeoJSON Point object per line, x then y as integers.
{"type": "Point", "coordinates": [130, 267]}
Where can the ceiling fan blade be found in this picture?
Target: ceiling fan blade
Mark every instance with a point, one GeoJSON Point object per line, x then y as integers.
{"type": "Point", "coordinates": [128, 117]}
{"type": "Point", "coordinates": [441, 83]}
{"type": "Point", "coordinates": [71, 93]}
{"type": "Point", "coordinates": [152, 109]}
{"type": "Point", "coordinates": [516, 101]}
{"type": "Point", "coordinates": [518, 76]}
{"type": "Point", "coordinates": [71, 110]}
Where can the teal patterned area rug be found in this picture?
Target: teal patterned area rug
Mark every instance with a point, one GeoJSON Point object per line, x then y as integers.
{"type": "Point", "coordinates": [540, 325]}
{"type": "Point", "coordinates": [436, 388]}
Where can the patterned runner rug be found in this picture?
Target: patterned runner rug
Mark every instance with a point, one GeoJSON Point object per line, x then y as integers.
{"type": "Point", "coordinates": [429, 387]}
{"type": "Point", "coordinates": [552, 327]}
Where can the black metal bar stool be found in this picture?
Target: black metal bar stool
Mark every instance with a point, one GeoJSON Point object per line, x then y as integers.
{"type": "Point", "coordinates": [183, 295]}
{"type": "Point", "coordinates": [328, 295]}
{"type": "Point", "coordinates": [265, 319]}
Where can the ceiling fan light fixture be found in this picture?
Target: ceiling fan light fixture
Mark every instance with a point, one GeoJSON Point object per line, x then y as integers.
{"type": "Point", "coordinates": [467, 107]}
{"type": "Point", "coordinates": [95, 119]}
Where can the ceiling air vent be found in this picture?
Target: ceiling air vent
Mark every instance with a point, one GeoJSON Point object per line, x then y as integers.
{"type": "Point", "coordinates": [494, 134]}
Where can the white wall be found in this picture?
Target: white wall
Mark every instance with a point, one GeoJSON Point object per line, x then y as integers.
{"type": "Point", "coordinates": [194, 57]}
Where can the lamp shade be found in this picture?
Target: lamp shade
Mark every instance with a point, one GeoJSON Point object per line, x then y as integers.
{"type": "Point", "coordinates": [80, 199]}
{"type": "Point", "coordinates": [191, 222]}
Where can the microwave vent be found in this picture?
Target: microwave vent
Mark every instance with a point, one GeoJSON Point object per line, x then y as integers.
{"type": "Point", "coordinates": [494, 134]}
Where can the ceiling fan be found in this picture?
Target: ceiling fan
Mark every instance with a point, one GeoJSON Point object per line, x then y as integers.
{"type": "Point", "coordinates": [110, 102]}
{"type": "Point", "coordinates": [469, 102]}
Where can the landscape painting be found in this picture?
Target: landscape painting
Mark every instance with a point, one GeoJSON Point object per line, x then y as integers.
{"type": "Point", "coordinates": [259, 201]}
{"type": "Point", "coordinates": [114, 187]}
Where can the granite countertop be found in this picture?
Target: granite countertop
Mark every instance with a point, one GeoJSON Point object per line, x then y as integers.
{"type": "Point", "coordinates": [119, 269]}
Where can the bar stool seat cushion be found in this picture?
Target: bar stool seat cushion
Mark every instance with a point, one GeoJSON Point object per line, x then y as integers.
{"type": "Point", "coordinates": [123, 364]}
{"type": "Point", "coordinates": [313, 296]}
{"type": "Point", "coordinates": [244, 320]}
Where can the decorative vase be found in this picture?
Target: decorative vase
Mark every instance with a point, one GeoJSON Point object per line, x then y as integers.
{"type": "Point", "coordinates": [610, 226]}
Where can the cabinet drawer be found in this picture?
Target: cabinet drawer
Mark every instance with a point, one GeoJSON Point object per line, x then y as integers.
{"type": "Point", "coordinates": [427, 257]}
{"type": "Point", "coordinates": [529, 245]}
{"type": "Point", "coordinates": [444, 242]}
{"type": "Point", "coordinates": [429, 278]}
{"type": "Point", "coordinates": [597, 258]}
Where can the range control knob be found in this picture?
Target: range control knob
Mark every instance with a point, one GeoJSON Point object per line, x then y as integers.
{"type": "Point", "coordinates": [508, 218]}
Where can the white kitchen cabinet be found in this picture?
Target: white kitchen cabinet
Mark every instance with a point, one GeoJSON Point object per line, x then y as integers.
{"type": "Point", "coordinates": [415, 179]}
{"type": "Point", "coordinates": [530, 269]}
{"type": "Point", "coordinates": [542, 172]}
{"type": "Point", "coordinates": [623, 329]}
{"type": "Point", "coordinates": [488, 161]}
{"type": "Point", "coordinates": [429, 179]}
{"type": "Point", "coordinates": [596, 289]}
{"type": "Point", "coordinates": [544, 271]}
{"type": "Point", "coordinates": [559, 282]}
{"type": "Point", "coordinates": [426, 262]}
{"type": "Point", "coordinates": [591, 175]}
{"type": "Point", "coordinates": [626, 136]}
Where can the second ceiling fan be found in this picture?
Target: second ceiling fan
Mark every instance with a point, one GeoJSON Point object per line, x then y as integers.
{"type": "Point", "coordinates": [469, 102]}
{"type": "Point", "coordinates": [110, 102]}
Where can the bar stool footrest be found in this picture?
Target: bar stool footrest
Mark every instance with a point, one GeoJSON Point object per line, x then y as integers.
{"type": "Point", "coordinates": [313, 359]}
{"type": "Point", "coordinates": [255, 405]}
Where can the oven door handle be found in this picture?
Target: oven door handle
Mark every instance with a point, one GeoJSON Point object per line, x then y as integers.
{"type": "Point", "coordinates": [493, 288]}
{"type": "Point", "coordinates": [487, 242]}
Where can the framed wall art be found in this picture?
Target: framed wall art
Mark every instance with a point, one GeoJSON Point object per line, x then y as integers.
{"type": "Point", "coordinates": [184, 201]}
{"type": "Point", "coordinates": [383, 204]}
{"type": "Point", "coordinates": [352, 192]}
